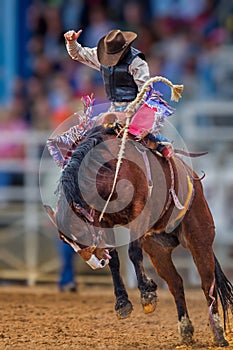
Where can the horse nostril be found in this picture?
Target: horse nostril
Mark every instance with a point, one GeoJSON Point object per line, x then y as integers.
{"type": "Point", "coordinates": [102, 262]}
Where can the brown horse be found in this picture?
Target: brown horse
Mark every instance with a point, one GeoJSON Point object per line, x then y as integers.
{"type": "Point", "coordinates": [163, 205]}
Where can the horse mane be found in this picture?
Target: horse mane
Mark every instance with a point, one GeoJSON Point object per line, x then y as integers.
{"type": "Point", "coordinates": [68, 183]}
{"type": "Point", "coordinates": [68, 190]}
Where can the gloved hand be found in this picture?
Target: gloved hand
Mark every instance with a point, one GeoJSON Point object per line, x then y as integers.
{"type": "Point", "coordinates": [71, 35]}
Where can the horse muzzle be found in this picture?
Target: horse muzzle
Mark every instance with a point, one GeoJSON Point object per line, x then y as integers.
{"type": "Point", "coordinates": [87, 254]}
{"type": "Point", "coordinates": [96, 263]}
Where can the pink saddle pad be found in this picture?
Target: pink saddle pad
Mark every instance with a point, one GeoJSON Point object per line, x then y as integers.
{"type": "Point", "coordinates": [143, 119]}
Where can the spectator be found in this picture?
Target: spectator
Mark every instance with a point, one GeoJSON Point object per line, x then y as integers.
{"type": "Point", "coordinates": [98, 25]}
{"type": "Point", "coordinates": [12, 121]}
{"type": "Point", "coordinates": [67, 281]}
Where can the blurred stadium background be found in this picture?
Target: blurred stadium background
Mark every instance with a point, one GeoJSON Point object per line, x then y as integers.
{"type": "Point", "coordinates": [41, 86]}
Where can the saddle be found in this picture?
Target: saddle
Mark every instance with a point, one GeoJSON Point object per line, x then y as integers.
{"type": "Point", "coordinates": [114, 123]}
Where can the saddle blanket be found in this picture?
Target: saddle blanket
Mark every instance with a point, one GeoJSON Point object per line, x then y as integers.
{"type": "Point", "coordinates": [146, 116]}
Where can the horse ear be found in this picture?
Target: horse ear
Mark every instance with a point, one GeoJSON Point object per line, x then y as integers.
{"type": "Point", "coordinates": [50, 213]}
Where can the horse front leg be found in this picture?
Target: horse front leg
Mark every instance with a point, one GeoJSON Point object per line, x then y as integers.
{"type": "Point", "coordinates": [123, 306]}
{"type": "Point", "coordinates": [146, 285]}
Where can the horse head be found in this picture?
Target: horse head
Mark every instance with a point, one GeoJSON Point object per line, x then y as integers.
{"type": "Point", "coordinates": [84, 187]}
{"type": "Point", "coordinates": [79, 232]}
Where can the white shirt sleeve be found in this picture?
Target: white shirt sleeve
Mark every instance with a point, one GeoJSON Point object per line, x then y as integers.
{"type": "Point", "coordinates": [82, 54]}
{"type": "Point", "coordinates": [138, 68]}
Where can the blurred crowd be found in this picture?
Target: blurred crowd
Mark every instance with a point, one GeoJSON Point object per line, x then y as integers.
{"type": "Point", "coordinates": [190, 44]}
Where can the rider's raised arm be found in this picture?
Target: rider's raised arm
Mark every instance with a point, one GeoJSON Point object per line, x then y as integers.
{"type": "Point", "coordinates": [82, 54]}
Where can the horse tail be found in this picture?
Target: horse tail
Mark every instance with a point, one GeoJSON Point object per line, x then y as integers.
{"type": "Point", "coordinates": [224, 290]}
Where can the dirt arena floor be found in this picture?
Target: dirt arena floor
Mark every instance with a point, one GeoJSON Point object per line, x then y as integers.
{"type": "Point", "coordinates": [41, 318]}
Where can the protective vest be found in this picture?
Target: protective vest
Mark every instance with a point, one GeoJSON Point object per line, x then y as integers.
{"type": "Point", "coordinates": [119, 83]}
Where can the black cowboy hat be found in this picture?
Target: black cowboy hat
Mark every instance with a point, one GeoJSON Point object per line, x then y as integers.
{"type": "Point", "coordinates": [112, 46]}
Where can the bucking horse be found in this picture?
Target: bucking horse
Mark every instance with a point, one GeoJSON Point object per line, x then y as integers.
{"type": "Point", "coordinates": [162, 204]}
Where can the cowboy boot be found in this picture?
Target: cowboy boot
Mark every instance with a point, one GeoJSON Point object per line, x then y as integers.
{"type": "Point", "coordinates": [163, 146]}
{"type": "Point", "coordinates": [167, 151]}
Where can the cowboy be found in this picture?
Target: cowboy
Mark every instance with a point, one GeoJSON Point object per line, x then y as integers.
{"type": "Point", "coordinates": [124, 70]}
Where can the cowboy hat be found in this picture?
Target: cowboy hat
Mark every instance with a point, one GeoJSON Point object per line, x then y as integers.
{"type": "Point", "coordinates": [112, 46]}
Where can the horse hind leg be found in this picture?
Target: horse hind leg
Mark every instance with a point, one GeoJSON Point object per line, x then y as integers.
{"type": "Point", "coordinates": [215, 320]}
{"type": "Point", "coordinates": [206, 267]}
{"type": "Point", "coordinates": [159, 248]}
{"type": "Point", "coordinates": [225, 291]}
{"type": "Point", "coordinates": [199, 238]}
{"type": "Point", "coordinates": [214, 317]}
{"type": "Point", "coordinates": [146, 285]}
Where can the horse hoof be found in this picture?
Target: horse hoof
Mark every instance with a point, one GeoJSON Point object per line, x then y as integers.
{"type": "Point", "coordinates": [149, 302]}
{"type": "Point", "coordinates": [187, 340]}
{"type": "Point", "coordinates": [186, 330]}
{"type": "Point", "coordinates": [149, 308]}
{"type": "Point", "coordinates": [125, 311]}
{"type": "Point", "coordinates": [221, 342]}
{"type": "Point", "coordinates": [218, 332]}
